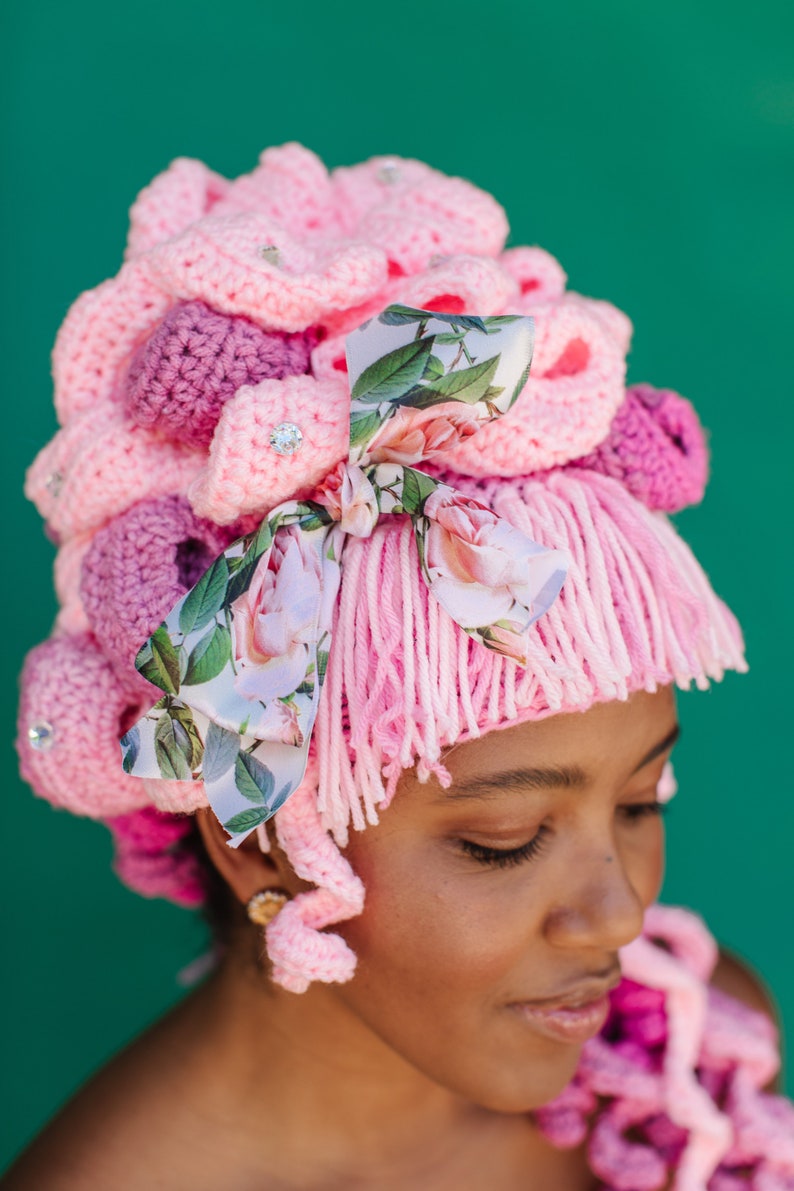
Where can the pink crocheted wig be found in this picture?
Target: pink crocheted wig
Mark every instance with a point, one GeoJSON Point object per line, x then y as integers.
{"type": "Point", "coordinates": [229, 319]}
{"type": "Point", "coordinates": [205, 385]}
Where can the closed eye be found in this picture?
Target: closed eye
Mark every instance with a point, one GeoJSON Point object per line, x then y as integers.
{"type": "Point", "coordinates": [504, 857]}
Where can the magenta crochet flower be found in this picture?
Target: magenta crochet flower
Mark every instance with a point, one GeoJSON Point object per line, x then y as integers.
{"type": "Point", "coordinates": [656, 447]}
{"type": "Point", "coordinates": [149, 858]}
{"type": "Point", "coordinates": [135, 568]}
{"type": "Point", "coordinates": [197, 359]}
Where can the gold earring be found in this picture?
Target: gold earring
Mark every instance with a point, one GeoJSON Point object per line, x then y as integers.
{"type": "Point", "coordinates": [263, 906]}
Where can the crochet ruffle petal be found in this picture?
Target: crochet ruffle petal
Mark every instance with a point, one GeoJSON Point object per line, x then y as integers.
{"type": "Point", "coordinates": [292, 186]}
{"type": "Point", "coordinates": [99, 464]}
{"type": "Point", "coordinates": [69, 686]}
{"type": "Point", "coordinates": [220, 260]}
{"type": "Point", "coordinates": [244, 474]}
{"type": "Point", "coordinates": [101, 331]}
{"type": "Point", "coordinates": [177, 197]}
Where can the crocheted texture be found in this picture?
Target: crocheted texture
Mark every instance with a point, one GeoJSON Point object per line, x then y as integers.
{"type": "Point", "coordinates": [228, 317]}
{"type": "Point", "coordinates": [636, 612]}
{"type": "Point", "coordinates": [70, 685]}
{"type": "Point", "coordinates": [225, 287]}
{"type": "Point", "coordinates": [195, 361]}
{"type": "Point", "coordinates": [656, 446]}
{"type": "Point", "coordinates": [149, 859]}
{"type": "Point", "coordinates": [671, 1087]}
{"type": "Point", "coordinates": [134, 571]}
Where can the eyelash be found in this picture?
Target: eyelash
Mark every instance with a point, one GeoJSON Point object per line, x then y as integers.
{"type": "Point", "coordinates": [508, 857]}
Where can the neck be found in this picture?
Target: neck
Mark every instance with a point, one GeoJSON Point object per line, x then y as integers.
{"type": "Point", "coordinates": [300, 1067]}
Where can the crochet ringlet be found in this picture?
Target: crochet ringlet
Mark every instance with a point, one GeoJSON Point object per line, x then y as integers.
{"type": "Point", "coordinates": [205, 385]}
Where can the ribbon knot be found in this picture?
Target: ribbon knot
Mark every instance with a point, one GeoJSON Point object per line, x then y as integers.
{"type": "Point", "coordinates": [350, 498]}
{"type": "Point", "coordinates": [242, 656]}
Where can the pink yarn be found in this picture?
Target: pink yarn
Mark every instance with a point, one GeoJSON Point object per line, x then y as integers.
{"type": "Point", "coordinates": [99, 335]}
{"type": "Point", "coordinates": [148, 858]}
{"type": "Point", "coordinates": [298, 948]}
{"type": "Point", "coordinates": [195, 361]}
{"type": "Point", "coordinates": [657, 448]}
{"type": "Point", "coordinates": [68, 571]}
{"type": "Point", "coordinates": [135, 570]}
{"type": "Point", "coordinates": [69, 685]}
{"type": "Point", "coordinates": [243, 473]}
{"type": "Point", "coordinates": [99, 465]}
{"type": "Point", "coordinates": [659, 1085]}
{"type": "Point", "coordinates": [168, 382]}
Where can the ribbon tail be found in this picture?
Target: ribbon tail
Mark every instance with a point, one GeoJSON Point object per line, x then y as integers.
{"type": "Point", "coordinates": [242, 658]}
{"type": "Point", "coordinates": [492, 579]}
{"type": "Point", "coordinates": [246, 780]}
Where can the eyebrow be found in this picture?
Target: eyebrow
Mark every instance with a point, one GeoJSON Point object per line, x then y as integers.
{"type": "Point", "coordinates": [543, 777]}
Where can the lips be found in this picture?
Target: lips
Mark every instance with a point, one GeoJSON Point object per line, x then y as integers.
{"type": "Point", "coordinates": [573, 1016]}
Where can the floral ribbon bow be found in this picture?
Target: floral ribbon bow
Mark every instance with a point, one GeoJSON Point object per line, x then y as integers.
{"type": "Point", "coordinates": [242, 656]}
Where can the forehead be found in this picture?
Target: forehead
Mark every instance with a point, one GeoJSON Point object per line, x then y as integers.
{"type": "Point", "coordinates": [616, 735]}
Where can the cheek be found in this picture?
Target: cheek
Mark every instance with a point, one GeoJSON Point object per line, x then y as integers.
{"type": "Point", "coordinates": [422, 930]}
{"type": "Point", "coordinates": [644, 860]}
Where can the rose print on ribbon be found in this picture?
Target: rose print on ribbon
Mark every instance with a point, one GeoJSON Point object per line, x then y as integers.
{"type": "Point", "coordinates": [242, 656]}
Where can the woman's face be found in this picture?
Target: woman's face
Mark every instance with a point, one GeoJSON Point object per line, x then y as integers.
{"type": "Point", "coordinates": [495, 909]}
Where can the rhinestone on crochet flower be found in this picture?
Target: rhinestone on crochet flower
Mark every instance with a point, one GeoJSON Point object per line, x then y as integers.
{"type": "Point", "coordinates": [41, 736]}
{"type": "Point", "coordinates": [389, 174]}
{"type": "Point", "coordinates": [286, 438]}
{"type": "Point", "coordinates": [270, 253]}
{"type": "Point", "coordinates": [54, 484]}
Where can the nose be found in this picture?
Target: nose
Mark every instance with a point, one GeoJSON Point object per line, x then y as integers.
{"type": "Point", "coordinates": [599, 907]}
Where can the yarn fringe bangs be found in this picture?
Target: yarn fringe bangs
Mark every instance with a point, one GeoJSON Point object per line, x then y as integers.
{"type": "Point", "coordinates": [404, 681]}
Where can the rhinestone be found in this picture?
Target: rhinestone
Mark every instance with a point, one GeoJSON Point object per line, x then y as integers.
{"type": "Point", "coordinates": [389, 173]}
{"type": "Point", "coordinates": [286, 438]}
{"type": "Point", "coordinates": [41, 736]}
{"type": "Point", "coordinates": [269, 253]}
{"type": "Point", "coordinates": [54, 484]}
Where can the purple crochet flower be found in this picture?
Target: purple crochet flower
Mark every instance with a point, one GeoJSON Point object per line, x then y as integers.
{"type": "Point", "coordinates": [149, 859]}
{"type": "Point", "coordinates": [656, 447]}
{"type": "Point", "coordinates": [136, 567]}
{"type": "Point", "coordinates": [196, 359]}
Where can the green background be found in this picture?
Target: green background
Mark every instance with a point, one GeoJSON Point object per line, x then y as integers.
{"type": "Point", "coordinates": [648, 147]}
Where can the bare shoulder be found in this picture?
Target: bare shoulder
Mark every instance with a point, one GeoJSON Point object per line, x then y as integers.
{"type": "Point", "coordinates": [145, 1122]}
{"type": "Point", "coordinates": [735, 977]}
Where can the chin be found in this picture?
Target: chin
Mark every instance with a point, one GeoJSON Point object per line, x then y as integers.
{"type": "Point", "coordinates": [523, 1090]}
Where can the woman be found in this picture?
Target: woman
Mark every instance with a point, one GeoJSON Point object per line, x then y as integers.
{"type": "Point", "coordinates": [305, 490]}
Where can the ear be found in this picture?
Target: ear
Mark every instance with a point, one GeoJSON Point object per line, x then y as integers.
{"type": "Point", "coordinates": [245, 869]}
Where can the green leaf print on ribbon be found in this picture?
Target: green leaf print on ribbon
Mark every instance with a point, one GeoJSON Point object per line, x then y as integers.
{"type": "Point", "coordinates": [204, 601]}
{"type": "Point", "coordinates": [209, 656]}
{"type": "Point", "coordinates": [177, 745]}
{"type": "Point", "coordinates": [244, 822]}
{"type": "Point", "coordinates": [393, 375]}
{"type": "Point", "coordinates": [158, 661]}
{"type": "Point", "coordinates": [242, 657]}
{"type": "Point", "coordinates": [466, 384]}
{"type": "Point", "coordinates": [253, 779]}
{"type": "Point", "coordinates": [220, 752]}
